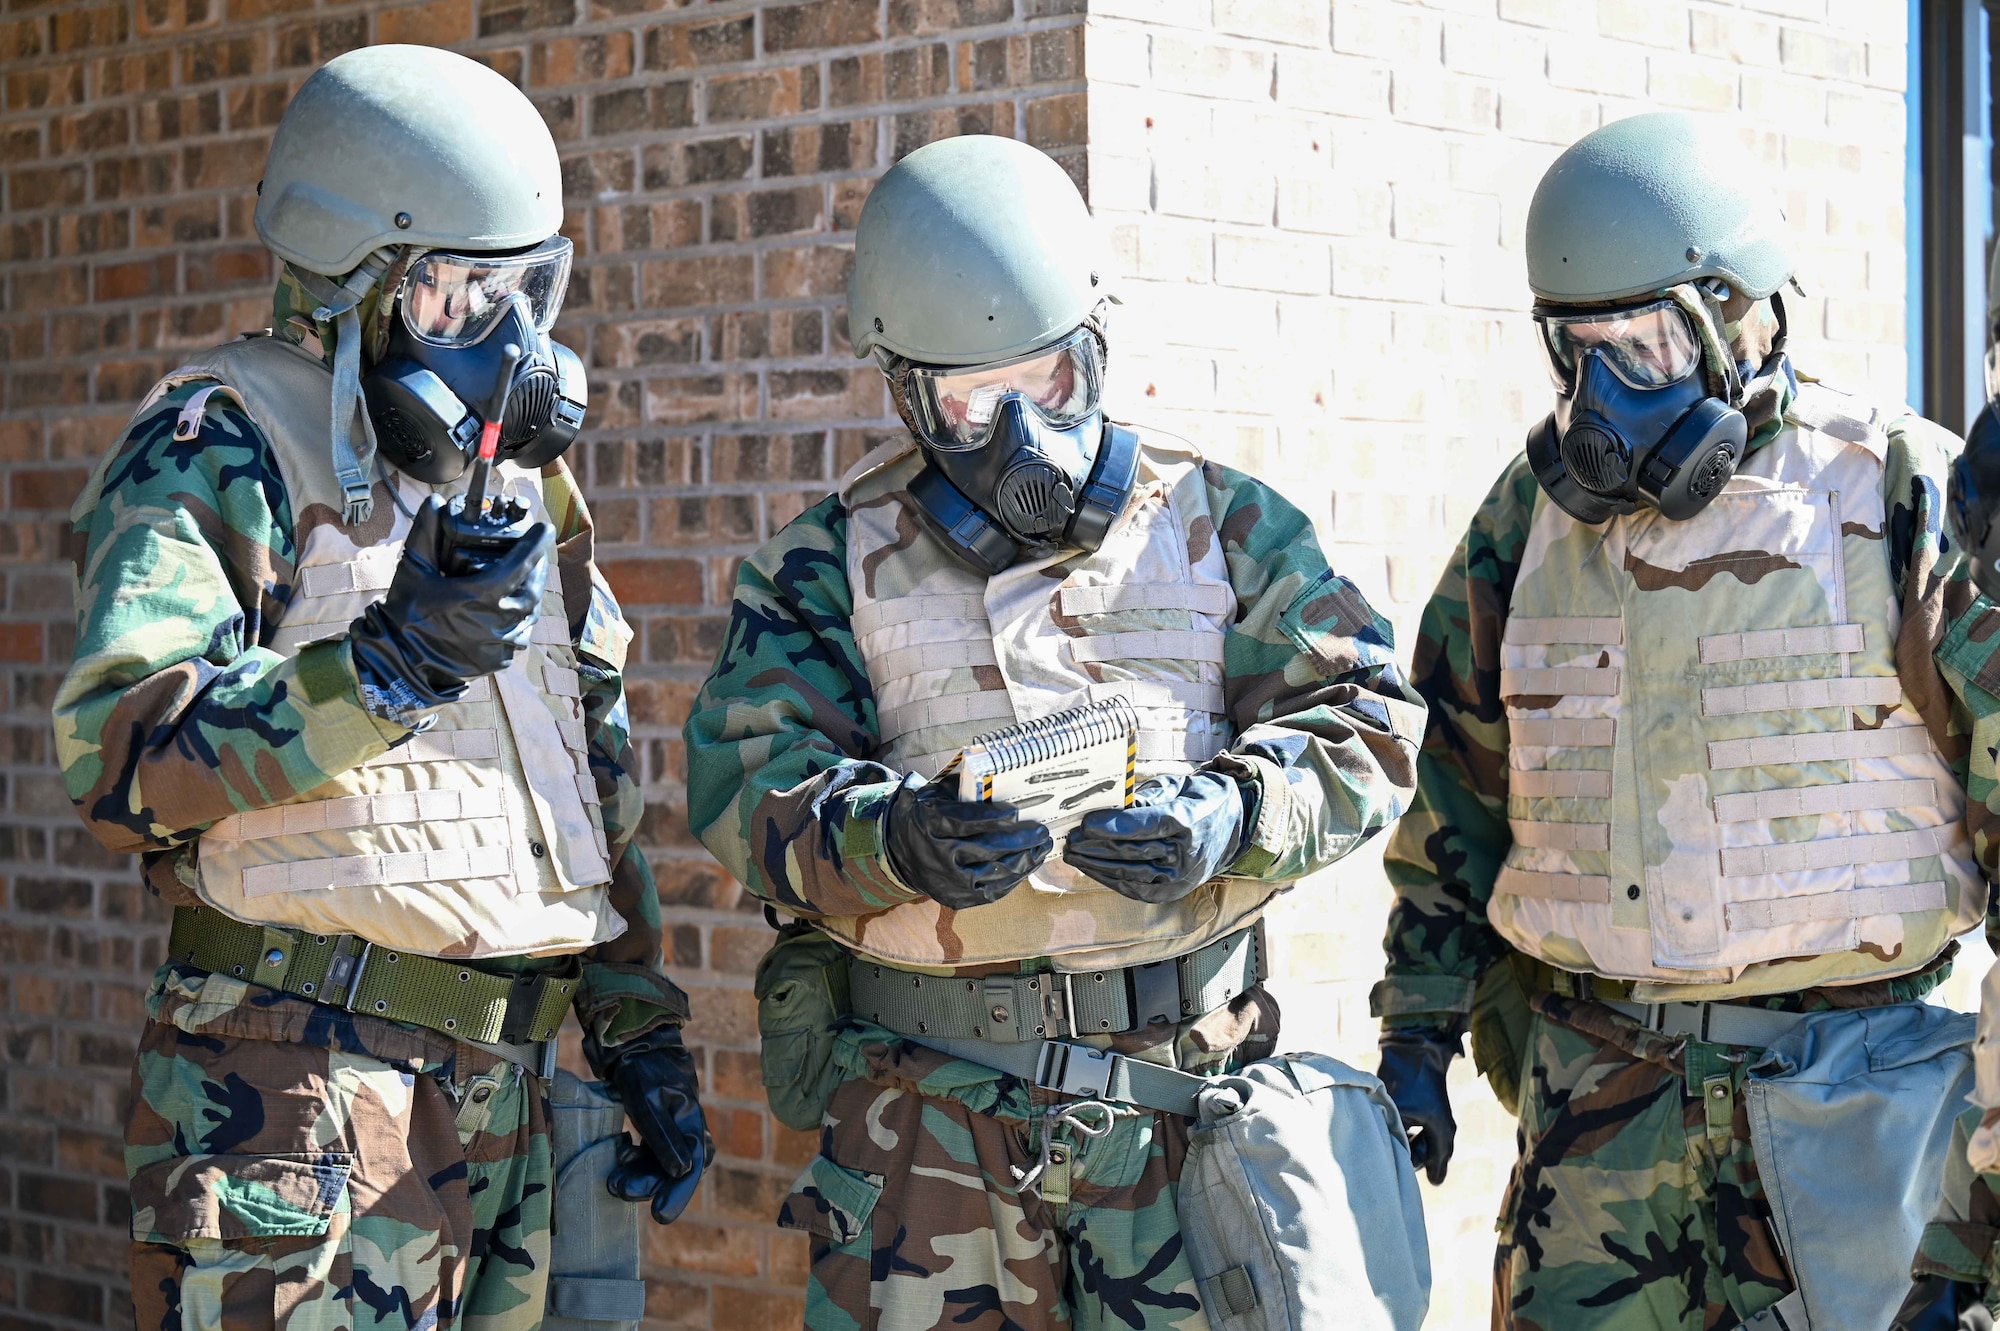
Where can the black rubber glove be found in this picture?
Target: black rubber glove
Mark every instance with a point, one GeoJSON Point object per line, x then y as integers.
{"type": "Point", "coordinates": [1179, 832]}
{"type": "Point", "coordinates": [419, 645]}
{"type": "Point", "coordinates": [960, 853]}
{"type": "Point", "coordinates": [1937, 1304]}
{"type": "Point", "coordinates": [653, 1076]}
{"type": "Point", "coordinates": [1413, 1071]}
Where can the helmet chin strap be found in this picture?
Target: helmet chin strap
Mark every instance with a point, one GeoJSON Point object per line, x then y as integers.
{"type": "Point", "coordinates": [339, 306]}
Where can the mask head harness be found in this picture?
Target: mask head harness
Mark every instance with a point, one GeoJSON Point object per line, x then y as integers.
{"type": "Point", "coordinates": [1649, 405]}
{"type": "Point", "coordinates": [1019, 460]}
{"type": "Point", "coordinates": [454, 314]}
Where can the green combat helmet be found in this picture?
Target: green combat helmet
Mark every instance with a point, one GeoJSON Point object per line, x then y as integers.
{"type": "Point", "coordinates": [971, 250]}
{"type": "Point", "coordinates": [386, 152]}
{"type": "Point", "coordinates": [1638, 237]}
{"type": "Point", "coordinates": [1649, 203]}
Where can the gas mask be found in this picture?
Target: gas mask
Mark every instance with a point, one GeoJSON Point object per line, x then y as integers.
{"type": "Point", "coordinates": [1019, 459]}
{"type": "Point", "coordinates": [454, 315]}
{"type": "Point", "coordinates": [1636, 423]}
{"type": "Point", "coordinates": [1972, 498]}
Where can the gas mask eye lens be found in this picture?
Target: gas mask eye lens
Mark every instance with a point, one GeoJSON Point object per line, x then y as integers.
{"type": "Point", "coordinates": [1651, 347]}
{"type": "Point", "coordinates": [956, 406]}
{"type": "Point", "coordinates": [452, 300]}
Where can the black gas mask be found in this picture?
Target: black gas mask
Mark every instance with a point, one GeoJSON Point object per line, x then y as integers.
{"type": "Point", "coordinates": [1636, 422]}
{"type": "Point", "coordinates": [454, 315]}
{"type": "Point", "coordinates": [1019, 458]}
{"type": "Point", "coordinates": [1972, 500]}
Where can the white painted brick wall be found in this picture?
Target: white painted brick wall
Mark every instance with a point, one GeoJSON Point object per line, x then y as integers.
{"type": "Point", "coordinates": [1317, 214]}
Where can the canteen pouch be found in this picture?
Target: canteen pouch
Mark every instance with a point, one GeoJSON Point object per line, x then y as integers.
{"type": "Point", "coordinates": [801, 996]}
{"type": "Point", "coordinates": [594, 1275]}
{"type": "Point", "coordinates": [1298, 1206]}
{"type": "Point", "coordinates": [1850, 1117]}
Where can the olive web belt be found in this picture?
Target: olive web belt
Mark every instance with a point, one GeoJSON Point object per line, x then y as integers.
{"type": "Point", "coordinates": [512, 1015]}
{"type": "Point", "coordinates": [1019, 1009]}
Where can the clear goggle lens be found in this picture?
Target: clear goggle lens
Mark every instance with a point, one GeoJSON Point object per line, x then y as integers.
{"type": "Point", "coordinates": [1650, 347]}
{"type": "Point", "coordinates": [454, 299]}
{"type": "Point", "coordinates": [957, 405]}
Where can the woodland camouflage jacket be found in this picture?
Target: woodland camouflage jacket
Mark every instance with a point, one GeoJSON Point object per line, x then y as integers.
{"type": "Point", "coordinates": [177, 713]}
{"type": "Point", "coordinates": [782, 783]}
{"type": "Point", "coordinates": [1444, 856]}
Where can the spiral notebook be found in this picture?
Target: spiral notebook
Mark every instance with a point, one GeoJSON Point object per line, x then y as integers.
{"type": "Point", "coordinates": [1057, 768]}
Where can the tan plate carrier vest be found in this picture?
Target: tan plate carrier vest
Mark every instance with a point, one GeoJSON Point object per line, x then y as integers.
{"type": "Point", "coordinates": [1715, 779]}
{"type": "Point", "coordinates": [953, 654]}
{"type": "Point", "coordinates": [479, 837]}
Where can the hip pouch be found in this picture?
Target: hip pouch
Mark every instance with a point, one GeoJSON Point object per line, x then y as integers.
{"type": "Point", "coordinates": [594, 1278]}
{"type": "Point", "coordinates": [1298, 1206]}
{"type": "Point", "coordinates": [1850, 1117]}
{"type": "Point", "coordinates": [801, 996]}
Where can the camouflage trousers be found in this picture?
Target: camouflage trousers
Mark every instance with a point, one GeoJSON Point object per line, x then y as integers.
{"type": "Point", "coordinates": [1635, 1202]}
{"type": "Point", "coordinates": [1959, 1242]}
{"type": "Point", "coordinates": [298, 1168]}
{"type": "Point", "coordinates": [948, 1195]}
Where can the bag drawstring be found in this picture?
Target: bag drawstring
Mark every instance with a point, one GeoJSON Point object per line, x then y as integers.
{"type": "Point", "coordinates": [1068, 1115]}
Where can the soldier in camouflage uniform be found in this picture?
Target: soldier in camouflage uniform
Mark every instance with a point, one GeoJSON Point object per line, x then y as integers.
{"type": "Point", "coordinates": [383, 780]}
{"type": "Point", "coordinates": [1702, 677]}
{"type": "Point", "coordinates": [1003, 1115]}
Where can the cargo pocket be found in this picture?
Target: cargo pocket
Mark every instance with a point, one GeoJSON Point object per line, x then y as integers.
{"type": "Point", "coordinates": [833, 1204]}
{"type": "Point", "coordinates": [801, 995]}
{"type": "Point", "coordinates": [210, 1230]}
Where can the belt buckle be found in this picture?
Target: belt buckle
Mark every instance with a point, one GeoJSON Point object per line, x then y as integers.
{"type": "Point", "coordinates": [339, 973]}
{"type": "Point", "coordinates": [1075, 1069]}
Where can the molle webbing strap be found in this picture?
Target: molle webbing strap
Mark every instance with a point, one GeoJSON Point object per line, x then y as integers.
{"type": "Point", "coordinates": [906, 609]}
{"type": "Point", "coordinates": [1542, 681]}
{"type": "Point", "coordinates": [1852, 903]}
{"type": "Point", "coordinates": [560, 682]}
{"type": "Point", "coordinates": [1818, 747]}
{"type": "Point", "coordinates": [391, 870]}
{"type": "Point", "coordinates": [1785, 695]}
{"type": "Point", "coordinates": [441, 747]}
{"type": "Point", "coordinates": [1836, 852]}
{"type": "Point", "coordinates": [1563, 732]}
{"type": "Point", "coordinates": [348, 811]}
{"type": "Point", "coordinates": [1013, 1009]}
{"type": "Point", "coordinates": [1592, 888]}
{"type": "Point", "coordinates": [947, 709]}
{"type": "Point", "coordinates": [1192, 695]}
{"type": "Point", "coordinates": [550, 631]}
{"type": "Point", "coordinates": [343, 971]}
{"type": "Point", "coordinates": [372, 571]}
{"type": "Point", "coordinates": [1165, 746]}
{"type": "Point", "coordinates": [1200, 598]}
{"type": "Point", "coordinates": [1157, 645]}
{"type": "Point", "coordinates": [1766, 644]}
{"type": "Point", "coordinates": [1538, 835]}
{"type": "Point", "coordinates": [1542, 631]}
{"type": "Point", "coordinates": [1840, 797]}
{"type": "Point", "coordinates": [906, 661]}
{"type": "Point", "coordinates": [1560, 783]}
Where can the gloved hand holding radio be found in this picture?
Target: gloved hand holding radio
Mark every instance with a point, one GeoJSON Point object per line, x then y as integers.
{"type": "Point", "coordinates": [420, 645]}
{"type": "Point", "coordinates": [1413, 1070]}
{"type": "Point", "coordinates": [1179, 832]}
{"type": "Point", "coordinates": [960, 853]}
{"type": "Point", "coordinates": [653, 1076]}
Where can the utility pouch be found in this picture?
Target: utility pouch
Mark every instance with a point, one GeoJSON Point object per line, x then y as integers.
{"type": "Point", "coordinates": [1298, 1205]}
{"type": "Point", "coordinates": [594, 1277]}
{"type": "Point", "coordinates": [1851, 1115]}
{"type": "Point", "coordinates": [1499, 1024]}
{"type": "Point", "coordinates": [801, 996]}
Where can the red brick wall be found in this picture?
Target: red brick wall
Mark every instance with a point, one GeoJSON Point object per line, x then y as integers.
{"type": "Point", "coordinates": [714, 157]}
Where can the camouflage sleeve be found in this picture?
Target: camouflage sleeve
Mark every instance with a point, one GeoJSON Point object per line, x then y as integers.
{"type": "Point", "coordinates": [1326, 725]}
{"type": "Point", "coordinates": [1948, 646]}
{"type": "Point", "coordinates": [779, 788]}
{"type": "Point", "coordinates": [173, 713]}
{"type": "Point", "coordinates": [1444, 855]}
{"type": "Point", "coordinates": [625, 991]}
